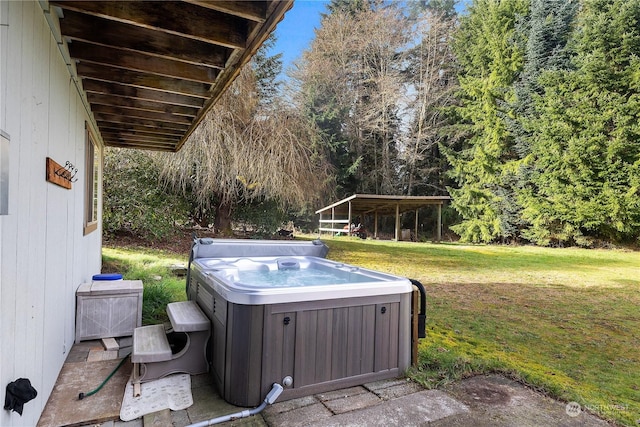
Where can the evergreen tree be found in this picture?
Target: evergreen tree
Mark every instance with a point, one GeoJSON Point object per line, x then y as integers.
{"type": "Point", "coordinates": [321, 108]}
{"type": "Point", "coordinates": [544, 35]}
{"type": "Point", "coordinates": [585, 151]}
{"type": "Point", "coordinates": [267, 68]}
{"type": "Point", "coordinates": [446, 9]}
{"type": "Point", "coordinates": [489, 61]}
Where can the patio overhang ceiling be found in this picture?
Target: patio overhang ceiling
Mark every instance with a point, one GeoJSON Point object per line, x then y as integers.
{"type": "Point", "coordinates": [152, 69]}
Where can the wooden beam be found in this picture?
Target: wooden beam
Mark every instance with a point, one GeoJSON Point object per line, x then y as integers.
{"type": "Point", "coordinates": [439, 225]}
{"type": "Point", "coordinates": [333, 217]}
{"type": "Point", "coordinates": [375, 226]}
{"type": "Point", "coordinates": [178, 18]}
{"type": "Point", "coordinates": [138, 121]}
{"type": "Point", "coordinates": [162, 145]}
{"type": "Point", "coordinates": [140, 146]}
{"type": "Point", "coordinates": [169, 146]}
{"type": "Point", "coordinates": [92, 29]}
{"type": "Point", "coordinates": [137, 61]}
{"type": "Point", "coordinates": [398, 235]}
{"type": "Point", "coordinates": [114, 88]}
{"type": "Point", "coordinates": [349, 219]}
{"type": "Point", "coordinates": [118, 139]}
{"type": "Point", "coordinates": [128, 127]}
{"type": "Point", "coordinates": [143, 114]}
{"type": "Point", "coordinates": [141, 104]}
{"type": "Point", "coordinates": [138, 136]}
{"type": "Point", "coordinates": [134, 78]}
{"type": "Point", "coordinates": [134, 56]}
{"type": "Point", "coordinates": [253, 10]}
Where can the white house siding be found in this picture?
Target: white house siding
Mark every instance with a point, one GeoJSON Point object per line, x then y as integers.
{"type": "Point", "coordinates": [44, 254]}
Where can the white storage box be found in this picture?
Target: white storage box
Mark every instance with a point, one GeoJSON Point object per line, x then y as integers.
{"type": "Point", "coordinates": [110, 308]}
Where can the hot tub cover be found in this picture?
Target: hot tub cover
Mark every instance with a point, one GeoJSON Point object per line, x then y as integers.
{"type": "Point", "coordinates": [230, 248]}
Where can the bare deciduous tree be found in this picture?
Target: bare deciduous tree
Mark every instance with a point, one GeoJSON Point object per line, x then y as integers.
{"type": "Point", "coordinates": [353, 69]}
{"type": "Point", "coordinates": [432, 83]}
{"type": "Point", "coordinates": [378, 80]}
{"type": "Point", "coordinates": [384, 37]}
{"type": "Point", "coordinates": [241, 152]}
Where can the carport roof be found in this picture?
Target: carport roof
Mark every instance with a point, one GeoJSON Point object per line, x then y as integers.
{"type": "Point", "coordinates": [382, 204]}
{"type": "Point", "coordinates": [152, 69]}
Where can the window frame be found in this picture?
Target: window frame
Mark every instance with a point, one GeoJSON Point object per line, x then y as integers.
{"type": "Point", "coordinates": [92, 183]}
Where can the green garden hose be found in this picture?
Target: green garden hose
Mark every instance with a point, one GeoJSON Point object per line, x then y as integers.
{"type": "Point", "coordinates": [83, 395]}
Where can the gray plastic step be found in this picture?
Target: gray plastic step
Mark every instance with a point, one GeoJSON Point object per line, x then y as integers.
{"type": "Point", "coordinates": [186, 316]}
{"type": "Point", "coordinates": [150, 344]}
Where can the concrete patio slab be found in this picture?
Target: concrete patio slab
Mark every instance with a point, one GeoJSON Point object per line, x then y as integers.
{"type": "Point", "coordinates": [481, 401]}
{"type": "Point", "coordinates": [388, 390]}
{"type": "Point", "coordinates": [411, 410]}
{"type": "Point", "coordinates": [498, 401]}
{"type": "Point", "coordinates": [347, 403]}
{"type": "Point", "coordinates": [309, 415]}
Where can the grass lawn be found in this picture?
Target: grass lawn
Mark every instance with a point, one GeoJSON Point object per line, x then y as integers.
{"type": "Point", "coordinates": [564, 321]}
{"type": "Point", "coordinates": [152, 267]}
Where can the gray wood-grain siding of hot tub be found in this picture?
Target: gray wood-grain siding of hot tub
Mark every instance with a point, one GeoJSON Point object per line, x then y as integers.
{"type": "Point", "coordinates": [323, 345]}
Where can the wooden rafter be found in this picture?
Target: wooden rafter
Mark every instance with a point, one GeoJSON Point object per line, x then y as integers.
{"type": "Point", "coordinates": [152, 69]}
{"type": "Point", "coordinates": [187, 20]}
{"type": "Point", "coordinates": [141, 62]}
{"type": "Point", "coordinates": [101, 31]}
{"type": "Point", "coordinates": [119, 89]}
{"type": "Point", "coordinates": [141, 104]}
{"type": "Point", "coordinates": [254, 11]}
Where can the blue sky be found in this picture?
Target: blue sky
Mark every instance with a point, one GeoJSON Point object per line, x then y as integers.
{"type": "Point", "coordinates": [295, 31]}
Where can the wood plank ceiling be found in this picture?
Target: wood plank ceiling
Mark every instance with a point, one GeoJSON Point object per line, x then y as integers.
{"type": "Point", "coordinates": [152, 69]}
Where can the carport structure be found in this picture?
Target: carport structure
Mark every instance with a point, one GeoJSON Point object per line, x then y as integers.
{"type": "Point", "coordinates": [343, 211]}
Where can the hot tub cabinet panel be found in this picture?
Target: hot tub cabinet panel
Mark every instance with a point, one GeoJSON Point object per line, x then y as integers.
{"type": "Point", "coordinates": [281, 313]}
{"type": "Point", "coordinates": [331, 344]}
{"type": "Point", "coordinates": [322, 345]}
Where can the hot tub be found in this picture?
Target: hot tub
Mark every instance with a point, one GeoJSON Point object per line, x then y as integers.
{"type": "Point", "coordinates": [282, 313]}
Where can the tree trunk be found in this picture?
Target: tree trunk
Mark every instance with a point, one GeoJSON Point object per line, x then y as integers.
{"type": "Point", "coordinates": [222, 221]}
{"type": "Point", "coordinates": [201, 217]}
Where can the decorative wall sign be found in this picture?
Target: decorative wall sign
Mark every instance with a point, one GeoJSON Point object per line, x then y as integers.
{"type": "Point", "coordinates": [61, 175]}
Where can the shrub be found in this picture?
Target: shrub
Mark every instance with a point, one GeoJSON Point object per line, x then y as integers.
{"type": "Point", "coordinates": [135, 202]}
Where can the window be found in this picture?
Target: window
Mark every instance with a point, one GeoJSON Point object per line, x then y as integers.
{"type": "Point", "coordinates": [92, 183]}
